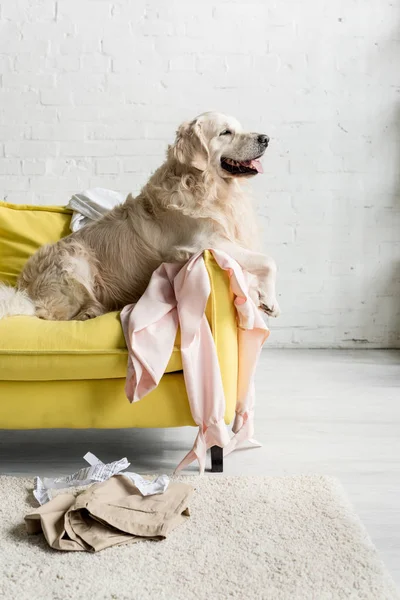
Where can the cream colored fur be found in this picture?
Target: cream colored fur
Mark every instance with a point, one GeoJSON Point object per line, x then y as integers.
{"type": "Point", "coordinates": [14, 302]}
{"type": "Point", "coordinates": [189, 204]}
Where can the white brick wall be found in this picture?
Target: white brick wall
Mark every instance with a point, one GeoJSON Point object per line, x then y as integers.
{"type": "Point", "coordinates": [91, 91]}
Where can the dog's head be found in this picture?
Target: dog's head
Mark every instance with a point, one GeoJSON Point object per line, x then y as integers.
{"type": "Point", "coordinates": [215, 141]}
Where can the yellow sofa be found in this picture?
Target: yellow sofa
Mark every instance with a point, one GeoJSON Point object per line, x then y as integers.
{"type": "Point", "coordinates": [72, 374]}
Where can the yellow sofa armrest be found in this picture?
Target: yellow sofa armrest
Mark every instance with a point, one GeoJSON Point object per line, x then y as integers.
{"type": "Point", "coordinates": [221, 314]}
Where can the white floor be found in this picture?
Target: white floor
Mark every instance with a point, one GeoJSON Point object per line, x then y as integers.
{"type": "Point", "coordinates": [333, 412]}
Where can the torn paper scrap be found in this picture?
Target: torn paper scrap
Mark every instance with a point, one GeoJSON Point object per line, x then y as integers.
{"type": "Point", "coordinates": [97, 472]}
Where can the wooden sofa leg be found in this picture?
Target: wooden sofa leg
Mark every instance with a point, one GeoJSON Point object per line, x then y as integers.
{"type": "Point", "coordinates": [217, 459]}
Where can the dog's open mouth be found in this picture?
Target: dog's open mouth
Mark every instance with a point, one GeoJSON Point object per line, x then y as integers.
{"type": "Point", "coordinates": [241, 167]}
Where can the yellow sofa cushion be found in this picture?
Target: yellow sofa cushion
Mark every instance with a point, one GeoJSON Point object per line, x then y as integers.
{"type": "Point", "coordinates": [35, 350]}
{"type": "Point", "coordinates": [23, 229]}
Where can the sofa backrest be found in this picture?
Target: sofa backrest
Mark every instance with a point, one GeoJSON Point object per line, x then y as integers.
{"type": "Point", "coordinates": [23, 229]}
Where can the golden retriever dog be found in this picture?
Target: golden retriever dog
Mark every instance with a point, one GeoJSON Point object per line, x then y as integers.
{"type": "Point", "coordinates": [194, 201]}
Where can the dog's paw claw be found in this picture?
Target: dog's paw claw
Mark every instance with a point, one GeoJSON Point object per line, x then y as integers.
{"type": "Point", "coordinates": [271, 311]}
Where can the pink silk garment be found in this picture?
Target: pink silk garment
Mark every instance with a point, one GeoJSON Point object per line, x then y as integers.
{"type": "Point", "coordinates": [177, 296]}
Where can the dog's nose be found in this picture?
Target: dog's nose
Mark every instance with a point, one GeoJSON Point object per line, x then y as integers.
{"type": "Point", "coordinates": [263, 139]}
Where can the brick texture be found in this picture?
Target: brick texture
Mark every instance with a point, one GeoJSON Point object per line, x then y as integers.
{"type": "Point", "coordinates": [91, 92]}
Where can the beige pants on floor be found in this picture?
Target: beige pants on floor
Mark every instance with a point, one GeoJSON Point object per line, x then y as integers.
{"type": "Point", "coordinates": [109, 513]}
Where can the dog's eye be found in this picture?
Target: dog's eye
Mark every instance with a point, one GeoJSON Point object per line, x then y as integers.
{"type": "Point", "coordinates": [226, 132]}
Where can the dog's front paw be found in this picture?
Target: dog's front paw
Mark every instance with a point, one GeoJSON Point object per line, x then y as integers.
{"type": "Point", "coordinates": [269, 305]}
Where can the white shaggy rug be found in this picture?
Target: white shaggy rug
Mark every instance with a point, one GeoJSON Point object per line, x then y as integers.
{"type": "Point", "coordinates": [272, 538]}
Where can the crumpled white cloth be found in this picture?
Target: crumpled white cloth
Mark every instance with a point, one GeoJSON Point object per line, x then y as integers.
{"type": "Point", "coordinates": [96, 472]}
{"type": "Point", "coordinates": [91, 205]}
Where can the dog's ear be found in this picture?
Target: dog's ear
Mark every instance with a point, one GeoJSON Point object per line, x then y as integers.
{"type": "Point", "coordinates": [202, 155]}
{"type": "Point", "coordinates": [190, 147]}
{"type": "Point", "coordinates": [181, 145]}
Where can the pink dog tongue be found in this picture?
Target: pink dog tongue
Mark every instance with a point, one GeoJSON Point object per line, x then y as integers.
{"type": "Point", "coordinates": [256, 164]}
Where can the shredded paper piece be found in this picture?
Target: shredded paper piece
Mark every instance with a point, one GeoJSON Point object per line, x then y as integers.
{"type": "Point", "coordinates": [97, 472]}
